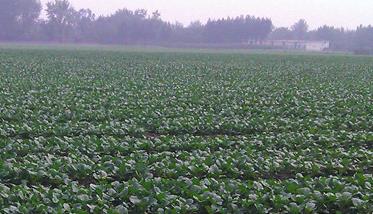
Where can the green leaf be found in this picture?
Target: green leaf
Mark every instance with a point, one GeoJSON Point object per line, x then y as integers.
{"type": "Point", "coordinates": [66, 207]}
{"type": "Point", "coordinates": [310, 206]}
{"type": "Point", "coordinates": [357, 202]}
{"type": "Point", "coordinates": [121, 209]}
{"type": "Point", "coordinates": [292, 187]}
{"type": "Point", "coordinates": [83, 197]}
{"type": "Point", "coordinates": [135, 200]}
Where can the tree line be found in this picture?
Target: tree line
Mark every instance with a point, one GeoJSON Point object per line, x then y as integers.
{"type": "Point", "coordinates": [359, 40]}
{"type": "Point", "coordinates": [20, 20]}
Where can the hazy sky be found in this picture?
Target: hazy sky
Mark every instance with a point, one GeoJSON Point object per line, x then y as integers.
{"type": "Point", "coordinates": [341, 13]}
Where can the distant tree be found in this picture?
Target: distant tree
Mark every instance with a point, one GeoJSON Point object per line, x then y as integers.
{"type": "Point", "coordinates": [156, 15]}
{"type": "Point", "coordinates": [129, 27]}
{"type": "Point", "coordinates": [281, 33]}
{"type": "Point", "coordinates": [18, 18]}
{"type": "Point", "coordinates": [179, 34]}
{"type": "Point", "coordinates": [19, 21]}
{"type": "Point", "coordinates": [300, 29]}
{"type": "Point", "coordinates": [195, 25]}
{"type": "Point", "coordinates": [84, 25]}
{"type": "Point", "coordinates": [27, 16]}
{"type": "Point", "coordinates": [236, 30]}
{"type": "Point", "coordinates": [364, 40]}
{"type": "Point", "coordinates": [141, 13]}
{"type": "Point", "coordinates": [8, 14]}
{"type": "Point", "coordinates": [61, 20]}
{"type": "Point", "coordinates": [325, 33]}
{"type": "Point", "coordinates": [194, 32]}
{"type": "Point", "coordinates": [339, 38]}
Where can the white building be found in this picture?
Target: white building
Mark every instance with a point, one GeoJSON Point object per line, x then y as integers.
{"type": "Point", "coordinates": [292, 44]}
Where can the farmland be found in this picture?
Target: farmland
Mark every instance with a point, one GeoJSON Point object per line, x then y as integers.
{"type": "Point", "coordinates": [129, 131]}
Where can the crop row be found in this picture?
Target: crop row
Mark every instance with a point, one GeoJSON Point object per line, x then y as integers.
{"type": "Point", "coordinates": [84, 159]}
{"type": "Point", "coordinates": [185, 195]}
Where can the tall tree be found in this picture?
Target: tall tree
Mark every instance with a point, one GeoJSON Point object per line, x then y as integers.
{"type": "Point", "coordinates": [29, 12]}
{"type": "Point", "coordinates": [61, 20]}
{"type": "Point", "coordinates": [7, 18]}
{"type": "Point", "coordinates": [17, 18]}
{"type": "Point", "coordinates": [237, 30]}
{"type": "Point", "coordinates": [364, 40]}
{"type": "Point", "coordinates": [84, 28]}
{"type": "Point", "coordinates": [194, 32]}
{"type": "Point", "coordinates": [300, 29]}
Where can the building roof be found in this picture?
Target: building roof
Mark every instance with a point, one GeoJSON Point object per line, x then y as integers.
{"type": "Point", "coordinates": [294, 41]}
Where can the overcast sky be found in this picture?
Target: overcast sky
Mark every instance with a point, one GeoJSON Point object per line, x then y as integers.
{"type": "Point", "coordinates": [340, 13]}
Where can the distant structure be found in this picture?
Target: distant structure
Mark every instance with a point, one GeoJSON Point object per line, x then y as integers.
{"type": "Point", "coordinates": [292, 44]}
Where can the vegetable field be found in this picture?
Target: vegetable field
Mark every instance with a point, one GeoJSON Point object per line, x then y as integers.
{"type": "Point", "coordinates": [135, 132]}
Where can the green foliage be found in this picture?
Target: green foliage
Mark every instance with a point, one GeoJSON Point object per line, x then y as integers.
{"type": "Point", "coordinates": [116, 132]}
